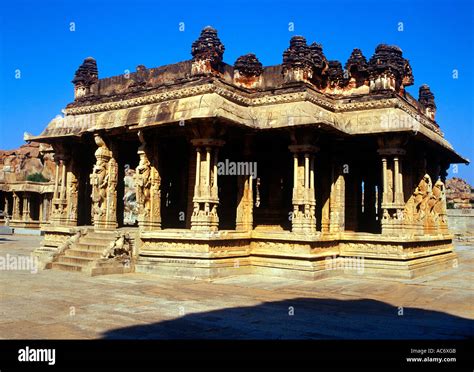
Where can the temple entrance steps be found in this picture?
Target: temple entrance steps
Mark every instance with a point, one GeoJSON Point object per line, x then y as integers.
{"type": "Point", "coordinates": [90, 254]}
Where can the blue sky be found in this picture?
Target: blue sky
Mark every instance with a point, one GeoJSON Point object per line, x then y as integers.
{"type": "Point", "coordinates": [35, 38]}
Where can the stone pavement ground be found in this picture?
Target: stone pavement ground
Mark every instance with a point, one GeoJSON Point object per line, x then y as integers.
{"type": "Point", "coordinates": [66, 305]}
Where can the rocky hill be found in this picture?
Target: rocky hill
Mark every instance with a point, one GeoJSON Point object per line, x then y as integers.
{"type": "Point", "coordinates": [459, 194]}
{"type": "Point", "coordinates": [28, 159]}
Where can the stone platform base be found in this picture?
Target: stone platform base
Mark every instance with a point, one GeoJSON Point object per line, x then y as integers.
{"type": "Point", "coordinates": [302, 257]}
{"type": "Point", "coordinates": [26, 231]}
{"type": "Point", "coordinates": [6, 230]}
{"type": "Point", "coordinates": [204, 269]}
{"type": "Point", "coordinates": [20, 224]}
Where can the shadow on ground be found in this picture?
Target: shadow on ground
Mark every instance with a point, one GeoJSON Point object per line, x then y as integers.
{"type": "Point", "coordinates": [312, 319]}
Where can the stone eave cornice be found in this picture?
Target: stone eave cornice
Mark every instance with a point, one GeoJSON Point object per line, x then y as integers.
{"type": "Point", "coordinates": [27, 186]}
{"type": "Point", "coordinates": [212, 97]}
{"type": "Point", "coordinates": [285, 94]}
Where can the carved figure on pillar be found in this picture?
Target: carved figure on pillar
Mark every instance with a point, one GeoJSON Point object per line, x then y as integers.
{"type": "Point", "coordinates": [438, 209]}
{"type": "Point", "coordinates": [143, 183]}
{"type": "Point", "coordinates": [104, 181]}
{"type": "Point", "coordinates": [72, 193]}
{"type": "Point", "coordinates": [99, 181]}
{"type": "Point", "coordinates": [425, 211]}
{"type": "Point", "coordinates": [147, 182]}
{"type": "Point", "coordinates": [421, 197]}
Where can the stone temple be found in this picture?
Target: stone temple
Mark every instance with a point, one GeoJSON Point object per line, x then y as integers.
{"type": "Point", "coordinates": [280, 170]}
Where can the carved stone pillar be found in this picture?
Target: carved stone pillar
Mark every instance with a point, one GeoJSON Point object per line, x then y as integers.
{"type": "Point", "coordinates": [147, 183]}
{"type": "Point", "coordinates": [393, 200]}
{"type": "Point", "coordinates": [44, 209]}
{"type": "Point", "coordinates": [245, 208]}
{"type": "Point", "coordinates": [16, 215]}
{"type": "Point", "coordinates": [71, 193]}
{"type": "Point", "coordinates": [326, 207]}
{"type": "Point", "coordinates": [104, 186]}
{"type": "Point", "coordinates": [63, 189]}
{"type": "Point", "coordinates": [384, 181]}
{"type": "Point", "coordinates": [244, 219]}
{"type": "Point", "coordinates": [370, 201]}
{"type": "Point", "coordinates": [304, 201]}
{"type": "Point", "coordinates": [337, 197]}
{"type": "Point", "coordinates": [41, 208]}
{"type": "Point", "coordinates": [65, 195]}
{"type": "Point", "coordinates": [48, 208]}
{"type": "Point", "coordinates": [56, 178]}
{"type": "Point", "coordinates": [59, 210]}
{"type": "Point", "coordinates": [26, 207]}
{"type": "Point", "coordinates": [398, 179]}
{"type": "Point", "coordinates": [6, 206]}
{"type": "Point", "coordinates": [206, 199]}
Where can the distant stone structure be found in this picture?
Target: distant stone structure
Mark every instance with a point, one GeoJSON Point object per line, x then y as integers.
{"type": "Point", "coordinates": [459, 194]}
{"type": "Point", "coordinates": [460, 203]}
{"type": "Point", "coordinates": [26, 203]}
{"type": "Point", "coordinates": [346, 163]}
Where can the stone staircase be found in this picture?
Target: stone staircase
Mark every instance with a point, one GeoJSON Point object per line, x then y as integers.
{"type": "Point", "coordinates": [85, 255]}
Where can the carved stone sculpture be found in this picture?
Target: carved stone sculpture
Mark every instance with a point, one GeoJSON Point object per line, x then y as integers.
{"type": "Point", "coordinates": [421, 196]}
{"type": "Point", "coordinates": [207, 51]}
{"type": "Point", "coordinates": [357, 67]}
{"type": "Point", "coordinates": [427, 101]}
{"type": "Point", "coordinates": [99, 182]}
{"type": "Point", "coordinates": [439, 206]}
{"type": "Point", "coordinates": [297, 60]}
{"type": "Point", "coordinates": [247, 71]}
{"type": "Point", "coordinates": [143, 183]}
{"type": "Point", "coordinates": [86, 75]}
{"type": "Point", "coordinates": [335, 75]}
{"type": "Point", "coordinates": [104, 181]}
{"type": "Point", "coordinates": [388, 69]}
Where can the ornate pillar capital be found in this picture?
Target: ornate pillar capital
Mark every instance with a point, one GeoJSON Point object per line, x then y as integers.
{"type": "Point", "coordinates": [307, 149]}
{"type": "Point", "coordinates": [391, 151]}
{"type": "Point", "coordinates": [207, 142]}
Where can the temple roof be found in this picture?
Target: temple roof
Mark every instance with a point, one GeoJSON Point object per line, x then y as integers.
{"type": "Point", "coordinates": [304, 76]}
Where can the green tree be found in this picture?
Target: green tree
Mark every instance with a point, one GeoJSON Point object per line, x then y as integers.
{"type": "Point", "coordinates": [36, 177]}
